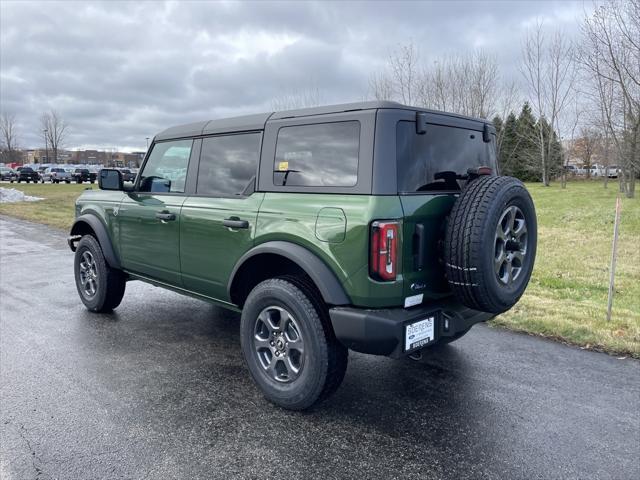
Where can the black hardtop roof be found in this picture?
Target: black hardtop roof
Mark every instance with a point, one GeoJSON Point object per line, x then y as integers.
{"type": "Point", "coordinates": [257, 121]}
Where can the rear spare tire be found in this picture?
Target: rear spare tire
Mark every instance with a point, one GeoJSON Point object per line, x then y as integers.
{"type": "Point", "coordinates": [490, 243]}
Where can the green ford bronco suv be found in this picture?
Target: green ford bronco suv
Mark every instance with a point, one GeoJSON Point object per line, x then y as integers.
{"type": "Point", "coordinates": [375, 227]}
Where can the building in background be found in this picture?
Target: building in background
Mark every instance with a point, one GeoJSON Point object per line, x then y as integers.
{"type": "Point", "coordinates": [107, 158]}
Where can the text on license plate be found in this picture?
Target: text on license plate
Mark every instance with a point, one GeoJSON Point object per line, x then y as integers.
{"type": "Point", "coordinates": [419, 333]}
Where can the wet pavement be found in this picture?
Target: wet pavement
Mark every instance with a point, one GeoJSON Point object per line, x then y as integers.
{"type": "Point", "coordinates": [158, 390]}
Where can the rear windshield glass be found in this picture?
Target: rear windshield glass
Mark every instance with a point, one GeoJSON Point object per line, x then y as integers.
{"type": "Point", "coordinates": [439, 159]}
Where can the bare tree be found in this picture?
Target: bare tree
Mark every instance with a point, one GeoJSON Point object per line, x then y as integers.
{"type": "Point", "coordinates": [9, 138]}
{"type": "Point", "coordinates": [549, 70]}
{"type": "Point", "coordinates": [568, 149]}
{"type": "Point", "coordinates": [403, 65]}
{"type": "Point", "coordinates": [55, 132]}
{"type": "Point", "coordinates": [611, 53]}
{"type": "Point", "coordinates": [297, 98]}
{"type": "Point", "coordinates": [381, 86]}
{"type": "Point", "coordinates": [586, 147]}
{"type": "Point", "coordinates": [466, 84]}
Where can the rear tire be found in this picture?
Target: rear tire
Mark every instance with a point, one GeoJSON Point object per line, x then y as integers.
{"type": "Point", "coordinates": [289, 310]}
{"type": "Point", "coordinates": [100, 287]}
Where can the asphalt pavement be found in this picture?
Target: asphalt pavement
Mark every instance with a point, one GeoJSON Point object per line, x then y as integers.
{"type": "Point", "coordinates": [158, 390]}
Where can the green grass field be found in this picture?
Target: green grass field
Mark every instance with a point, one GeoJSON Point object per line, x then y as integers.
{"type": "Point", "coordinates": [57, 208]}
{"type": "Point", "coordinates": [567, 297]}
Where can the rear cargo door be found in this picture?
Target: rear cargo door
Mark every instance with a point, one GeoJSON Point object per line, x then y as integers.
{"type": "Point", "coordinates": [432, 168]}
{"type": "Point", "coordinates": [423, 231]}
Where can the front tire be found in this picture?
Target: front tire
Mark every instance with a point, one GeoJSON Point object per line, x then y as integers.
{"type": "Point", "coordinates": [100, 287]}
{"type": "Point", "coordinates": [288, 344]}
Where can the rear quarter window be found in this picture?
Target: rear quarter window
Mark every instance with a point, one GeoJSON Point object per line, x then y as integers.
{"type": "Point", "coordinates": [318, 155]}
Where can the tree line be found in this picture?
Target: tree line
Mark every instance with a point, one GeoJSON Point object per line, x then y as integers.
{"type": "Point", "coordinates": [569, 91]}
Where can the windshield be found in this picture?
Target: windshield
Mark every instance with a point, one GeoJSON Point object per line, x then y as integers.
{"type": "Point", "coordinates": [439, 159]}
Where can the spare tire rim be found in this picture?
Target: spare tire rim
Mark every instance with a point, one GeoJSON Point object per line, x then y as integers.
{"type": "Point", "coordinates": [88, 274]}
{"type": "Point", "coordinates": [278, 344]}
{"type": "Point", "coordinates": [510, 245]}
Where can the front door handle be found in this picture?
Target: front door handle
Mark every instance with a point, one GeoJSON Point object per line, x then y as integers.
{"type": "Point", "coordinates": [165, 216]}
{"type": "Point", "coordinates": [235, 222]}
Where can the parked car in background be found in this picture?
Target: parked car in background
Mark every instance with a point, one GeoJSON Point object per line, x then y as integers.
{"type": "Point", "coordinates": [41, 171]}
{"type": "Point", "coordinates": [7, 173]}
{"type": "Point", "coordinates": [81, 175]}
{"type": "Point", "coordinates": [127, 175]}
{"type": "Point", "coordinates": [56, 175]}
{"type": "Point", "coordinates": [25, 174]}
{"type": "Point", "coordinates": [613, 172]}
{"type": "Point", "coordinates": [571, 169]}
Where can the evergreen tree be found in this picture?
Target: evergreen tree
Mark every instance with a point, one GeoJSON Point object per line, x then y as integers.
{"type": "Point", "coordinates": [518, 144]}
{"type": "Point", "coordinates": [526, 165]}
{"type": "Point", "coordinates": [508, 152]}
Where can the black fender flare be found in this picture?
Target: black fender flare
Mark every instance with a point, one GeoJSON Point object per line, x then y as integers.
{"type": "Point", "coordinates": [328, 284]}
{"type": "Point", "coordinates": [102, 235]}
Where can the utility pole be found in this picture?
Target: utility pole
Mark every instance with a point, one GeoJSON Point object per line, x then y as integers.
{"type": "Point", "coordinates": [147, 143]}
{"type": "Point", "coordinates": [46, 145]}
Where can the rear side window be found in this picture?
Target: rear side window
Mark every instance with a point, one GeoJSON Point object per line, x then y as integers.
{"type": "Point", "coordinates": [228, 164]}
{"type": "Point", "coordinates": [439, 159]}
{"type": "Point", "coordinates": [319, 155]}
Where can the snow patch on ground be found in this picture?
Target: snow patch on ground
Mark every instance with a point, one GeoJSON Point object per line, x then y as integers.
{"type": "Point", "coordinates": [10, 195]}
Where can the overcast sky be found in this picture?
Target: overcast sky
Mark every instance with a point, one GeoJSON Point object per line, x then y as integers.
{"type": "Point", "coordinates": [122, 71]}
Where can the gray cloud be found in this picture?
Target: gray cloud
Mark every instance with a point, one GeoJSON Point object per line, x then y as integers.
{"type": "Point", "coordinates": [121, 71]}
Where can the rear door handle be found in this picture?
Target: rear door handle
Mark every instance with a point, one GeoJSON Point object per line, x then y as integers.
{"type": "Point", "coordinates": [165, 216]}
{"type": "Point", "coordinates": [235, 222]}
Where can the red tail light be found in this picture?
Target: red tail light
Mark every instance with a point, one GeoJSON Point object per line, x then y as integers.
{"type": "Point", "coordinates": [383, 263]}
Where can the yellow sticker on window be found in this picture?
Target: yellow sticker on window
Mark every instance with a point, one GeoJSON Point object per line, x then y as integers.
{"type": "Point", "coordinates": [283, 166]}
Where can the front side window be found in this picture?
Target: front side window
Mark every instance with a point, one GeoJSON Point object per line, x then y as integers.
{"type": "Point", "coordinates": [228, 164]}
{"type": "Point", "coordinates": [166, 168]}
{"type": "Point", "coordinates": [319, 155]}
{"type": "Point", "coordinates": [440, 159]}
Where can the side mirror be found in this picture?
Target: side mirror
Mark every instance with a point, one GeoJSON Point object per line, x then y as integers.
{"type": "Point", "coordinates": [110, 179]}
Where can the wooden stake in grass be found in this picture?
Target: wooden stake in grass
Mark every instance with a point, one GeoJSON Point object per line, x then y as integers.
{"type": "Point", "coordinates": [614, 248]}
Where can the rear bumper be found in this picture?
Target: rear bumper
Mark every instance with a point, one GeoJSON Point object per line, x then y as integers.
{"type": "Point", "coordinates": [382, 332]}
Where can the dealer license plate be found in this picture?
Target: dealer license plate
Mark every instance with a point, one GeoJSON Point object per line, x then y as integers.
{"type": "Point", "coordinates": [419, 333]}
